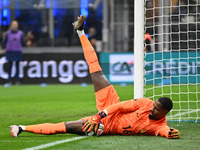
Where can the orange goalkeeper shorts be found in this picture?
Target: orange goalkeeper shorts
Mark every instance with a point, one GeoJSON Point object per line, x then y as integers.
{"type": "Point", "coordinates": [104, 98]}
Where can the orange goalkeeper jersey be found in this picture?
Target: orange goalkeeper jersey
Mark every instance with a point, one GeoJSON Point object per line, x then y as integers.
{"type": "Point", "coordinates": [134, 120]}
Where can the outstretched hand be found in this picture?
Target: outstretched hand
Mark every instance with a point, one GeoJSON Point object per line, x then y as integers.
{"type": "Point", "coordinates": [92, 123]}
{"type": "Point", "coordinates": [174, 134]}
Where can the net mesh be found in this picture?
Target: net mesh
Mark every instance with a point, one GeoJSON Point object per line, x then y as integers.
{"type": "Point", "coordinates": [172, 57]}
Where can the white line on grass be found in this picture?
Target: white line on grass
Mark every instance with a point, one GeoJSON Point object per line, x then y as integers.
{"type": "Point", "coordinates": [55, 143]}
{"type": "Point", "coordinates": [184, 113]}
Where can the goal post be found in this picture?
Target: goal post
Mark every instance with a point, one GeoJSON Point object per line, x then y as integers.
{"type": "Point", "coordinates": [170, 64]}
{"type": "Point", "coordinates": [138, 48]}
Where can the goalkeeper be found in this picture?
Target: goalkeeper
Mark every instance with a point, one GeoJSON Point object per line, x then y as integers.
{"type": "Point", "coordinates": [133, 117]}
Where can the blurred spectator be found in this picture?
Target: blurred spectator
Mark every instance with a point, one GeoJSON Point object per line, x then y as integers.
{"type": "Point", "coordinates": [68, 26]}
{"type": "Point", "coordinates": [64, 28]}
{"type": "Point", "coordinates": [183, 11]}
{"type": "Point", "coordinates": [183, 35]}
{"type": "Point", "coordinates": [30, 39]}
{"type": "Point", "coordinates": [92, 36]}
{"type": "Point", "coordinates": [148, 40]}
{"type": "Point", "coordinates": [1, 40]}
{"type": "Point", "coordinates": [149, 4]}
{"type": "Point", "coordinates": [12, 43]}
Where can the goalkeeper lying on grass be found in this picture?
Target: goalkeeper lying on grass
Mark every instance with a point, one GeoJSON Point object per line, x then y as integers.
{"type": "Point", "coordinates": [133, 117]}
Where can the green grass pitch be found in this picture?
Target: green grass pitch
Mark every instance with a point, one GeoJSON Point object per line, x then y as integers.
{"type": "Point", "coordinates": [57, 103]}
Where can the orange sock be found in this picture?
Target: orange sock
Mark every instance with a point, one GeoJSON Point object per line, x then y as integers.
{"type": "Point", "coordinates": [90, 55]}
{"type": "Point", "coordinates": [47, 128]}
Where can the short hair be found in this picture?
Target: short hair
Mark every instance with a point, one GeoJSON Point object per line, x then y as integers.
{"type": "Point", "coordinates": [166, 103]}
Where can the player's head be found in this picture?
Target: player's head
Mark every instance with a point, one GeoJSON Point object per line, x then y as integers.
{"type": "Point", "coordinates": [160, 108]}
{"type": "Point", "coordinates": [14, 25]}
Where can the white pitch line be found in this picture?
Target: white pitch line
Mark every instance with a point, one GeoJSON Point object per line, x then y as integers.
{"type": "Point", "coordinates": [55, 143]}
{"type": "Point", "coordinates": [184, 113]}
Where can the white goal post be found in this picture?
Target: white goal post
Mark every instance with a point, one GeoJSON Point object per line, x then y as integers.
{"type": "Point", "coordinates": [138, 49]}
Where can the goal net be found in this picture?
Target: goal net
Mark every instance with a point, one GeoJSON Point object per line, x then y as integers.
{"type": "Point", "coordinates": [172, 55]}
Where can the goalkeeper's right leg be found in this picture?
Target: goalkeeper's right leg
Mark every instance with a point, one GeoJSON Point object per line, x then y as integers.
{"type": "Point", "coordinates": [74, 127]}
{"type": "Point", "coordinates": [98, 78]}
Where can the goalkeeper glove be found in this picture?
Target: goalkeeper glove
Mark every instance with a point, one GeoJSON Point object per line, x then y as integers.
{"type": "Point", "coordinates": [93, 122]}
{"type": "Point", "coordinates": [173, 134]}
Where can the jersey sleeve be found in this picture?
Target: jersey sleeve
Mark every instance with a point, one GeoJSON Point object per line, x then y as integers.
{"type": "Point", "coordinates": [126, 106]}
{"type": "Point", "coordinates": [163, 131]}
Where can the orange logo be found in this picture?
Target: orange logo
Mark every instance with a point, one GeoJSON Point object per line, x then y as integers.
{"type": "Point", "coordinates": [142, 131]}
{"type": "Point", "coordinates": [94, 118]}
{"type": "Point", "coordinates": [99, 132]}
